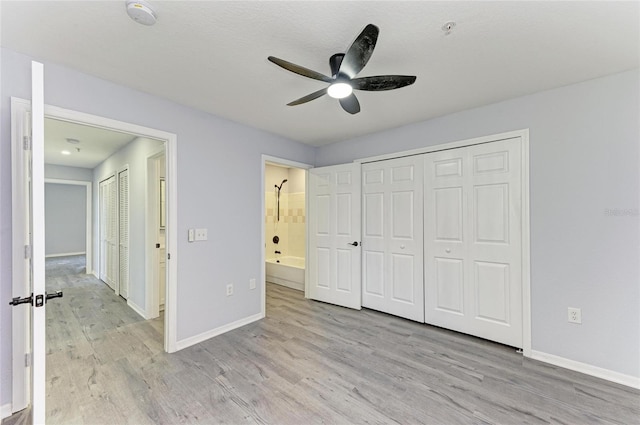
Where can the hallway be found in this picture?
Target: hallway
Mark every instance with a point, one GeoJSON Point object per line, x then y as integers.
{"type": "Point", "coordinates": [93, 341]}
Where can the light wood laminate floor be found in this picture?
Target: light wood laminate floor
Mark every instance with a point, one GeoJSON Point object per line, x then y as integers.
{"type": "Point", "coordinates": [305, 363]}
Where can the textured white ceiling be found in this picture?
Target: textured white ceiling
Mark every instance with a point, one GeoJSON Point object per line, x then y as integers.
{"type": "Point", "coordinates": [212, 55]}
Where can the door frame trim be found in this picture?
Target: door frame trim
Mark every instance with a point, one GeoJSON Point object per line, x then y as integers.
{"type": "Point", "coordinates": [19, 109]}
{"type": "Point", "coordinates": [525, 213]}
{"type": "Point", "coordinates": [89, 236]}
{"type": "Point", "coordinates": [263, 211]}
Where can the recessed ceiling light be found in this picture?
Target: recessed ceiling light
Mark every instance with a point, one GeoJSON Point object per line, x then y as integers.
{"type": "Point", "coordinates": [141, 12]}
{"type": "Point", "coordinates": [73, 141]}
{"type": "Point", "coordinates": [65, 153]}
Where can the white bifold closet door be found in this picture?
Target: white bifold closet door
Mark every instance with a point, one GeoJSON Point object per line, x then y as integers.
{"type": "Point", "coordinates": [473, 247]}
{"type": "Point", "coordinates": [392, 239]}
{"type": "Point", "coordinates": [123, 233]}
{"type": "Point", "coordinates": [108, 232]}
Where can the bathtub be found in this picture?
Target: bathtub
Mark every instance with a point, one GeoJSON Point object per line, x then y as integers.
{"type": "Point", "coordinates": [288, 272]}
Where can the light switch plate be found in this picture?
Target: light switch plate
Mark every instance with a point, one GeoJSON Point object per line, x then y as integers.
{"type": "Point", "coordinates": [192, 235]}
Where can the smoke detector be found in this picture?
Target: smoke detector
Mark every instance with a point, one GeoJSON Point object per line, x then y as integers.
{"type": "Point", "coordinates": [141, 12]}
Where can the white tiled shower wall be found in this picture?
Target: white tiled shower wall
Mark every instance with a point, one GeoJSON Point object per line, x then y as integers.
{"type": "Point", "coordinates": [291, 227]}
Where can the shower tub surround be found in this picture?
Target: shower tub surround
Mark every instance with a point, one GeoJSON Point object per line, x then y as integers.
{"type": "Point", "coordinates": [285, 218]}
{"type": "Point", "coordinates": [289, 272]}
{"type": "Point", "coordinates": [291, 227]}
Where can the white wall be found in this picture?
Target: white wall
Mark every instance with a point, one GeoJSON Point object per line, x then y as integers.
{"type": "Point", "coordinates": [134, 156]}
{"type": "Point", "coordinates": [585, 227]}
{"type": "Point", "coordinates": [65, 219]}
{"type": "Point", "coordinates": [210, 152]}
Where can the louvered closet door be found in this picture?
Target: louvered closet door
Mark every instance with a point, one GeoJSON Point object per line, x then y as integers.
{"type": "Point", "coordinates": [473, 248]}
{"type": "Point", "coordinates": [103, 230]}
{"type": "Point", "coordinates": [108, 232]}
{"type": "Point", "coordinates": [123, 232]}
{"type": "Point", "coordinates": [112, 234]}
{"type": "Point", "coordinates": [392, 240]}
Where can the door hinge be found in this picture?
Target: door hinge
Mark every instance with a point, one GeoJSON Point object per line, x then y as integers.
{"type": "Point", "coordinates": [168, 256]}
{"type": "Point", "coordinates": [27, 252]}
{"type": "Point", "coordinates": [26, 143]}
{"type": "Point", "coordinates": [28, 360]}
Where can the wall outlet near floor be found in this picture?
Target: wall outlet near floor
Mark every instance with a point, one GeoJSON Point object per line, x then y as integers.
{"type": "Point", "coordinates": [575, 315]}
{"type": "Point", "coordinates": [229, 289]}
{"type": "Point", "coordinates": [252, 284]}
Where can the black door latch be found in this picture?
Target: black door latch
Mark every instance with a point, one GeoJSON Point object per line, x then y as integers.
{"type": "Point", "coordinates": [25, 300]}
{"type": "Point", "coordinates": [40, 299]}
{"type": "Point", "coordinates": [58, 294]}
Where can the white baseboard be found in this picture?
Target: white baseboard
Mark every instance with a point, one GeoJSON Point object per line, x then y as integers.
{"type": "Point", "coordinates": [587, 369]}
{"type": "Point", "coordinates": [5, 411]}
{"type": "Point", "coordinates": [95, 273]}
{"type": "Point", "coordinates": [188, 342]}
{"type": "Point", "coordinates": [66, 254]}
{"type": "Point", "coordinates": [135, 307]}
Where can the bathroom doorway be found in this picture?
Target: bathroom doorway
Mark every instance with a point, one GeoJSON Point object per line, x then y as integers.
{"type": "Point", "coordinates": [284, 223]}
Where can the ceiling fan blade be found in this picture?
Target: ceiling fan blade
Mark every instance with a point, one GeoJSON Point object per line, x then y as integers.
{"type": "Point", "coordinates": [300, 70]}
{"type": "Point", "coordinates": [350, 104]}
{"type": "Point", "coordinates": [308, 97]}
{"type": "Point", "coordinates": [382, 82]}
{"type": "Point", "coordinates": [360, 51]}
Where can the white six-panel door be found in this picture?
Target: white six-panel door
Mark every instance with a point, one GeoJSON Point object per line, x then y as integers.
{"type": "Point", "coordinates": [392, 237]}
{"type": "Point", "coordinates": [334, 235]}
{"type": "Point", "coordinates": [473, 244]}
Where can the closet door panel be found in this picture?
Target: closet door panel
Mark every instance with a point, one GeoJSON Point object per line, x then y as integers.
{"type": "Point", "coordinates": [446, 233]}
{"type": "Point", "coordinates": [473, 246]}
{"type": "Point", "coordinates": [392, 239]}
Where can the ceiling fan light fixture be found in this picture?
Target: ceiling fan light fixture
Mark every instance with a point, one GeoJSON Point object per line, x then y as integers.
{"type": "Point", "coordinates": [339, 90]}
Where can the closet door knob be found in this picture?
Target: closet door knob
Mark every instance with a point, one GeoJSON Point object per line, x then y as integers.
{"type": "Point", "coordinates": [448, 250]}
{"type": "Point", "coordinates": [401, 246]}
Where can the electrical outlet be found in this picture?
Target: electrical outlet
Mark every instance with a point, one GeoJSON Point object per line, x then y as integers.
{"type": "Point", "coordinates": [252, 284]}
{"type": "Point", "coordinates": [575, 315]}
{"type": "Point", "coordinates": [229, 289]}
{"type": "Point", "coordinates": [201, 234]}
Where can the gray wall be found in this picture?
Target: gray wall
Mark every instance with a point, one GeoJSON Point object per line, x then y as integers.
{"type": "Point", "coordinates": [585, 227]}
{"type": "Point", "coordinates": [211, 150]}
{"type": "Point", "coordinates": [135, 156]}
{"type": "Point", "coordinates": [65, 218]}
